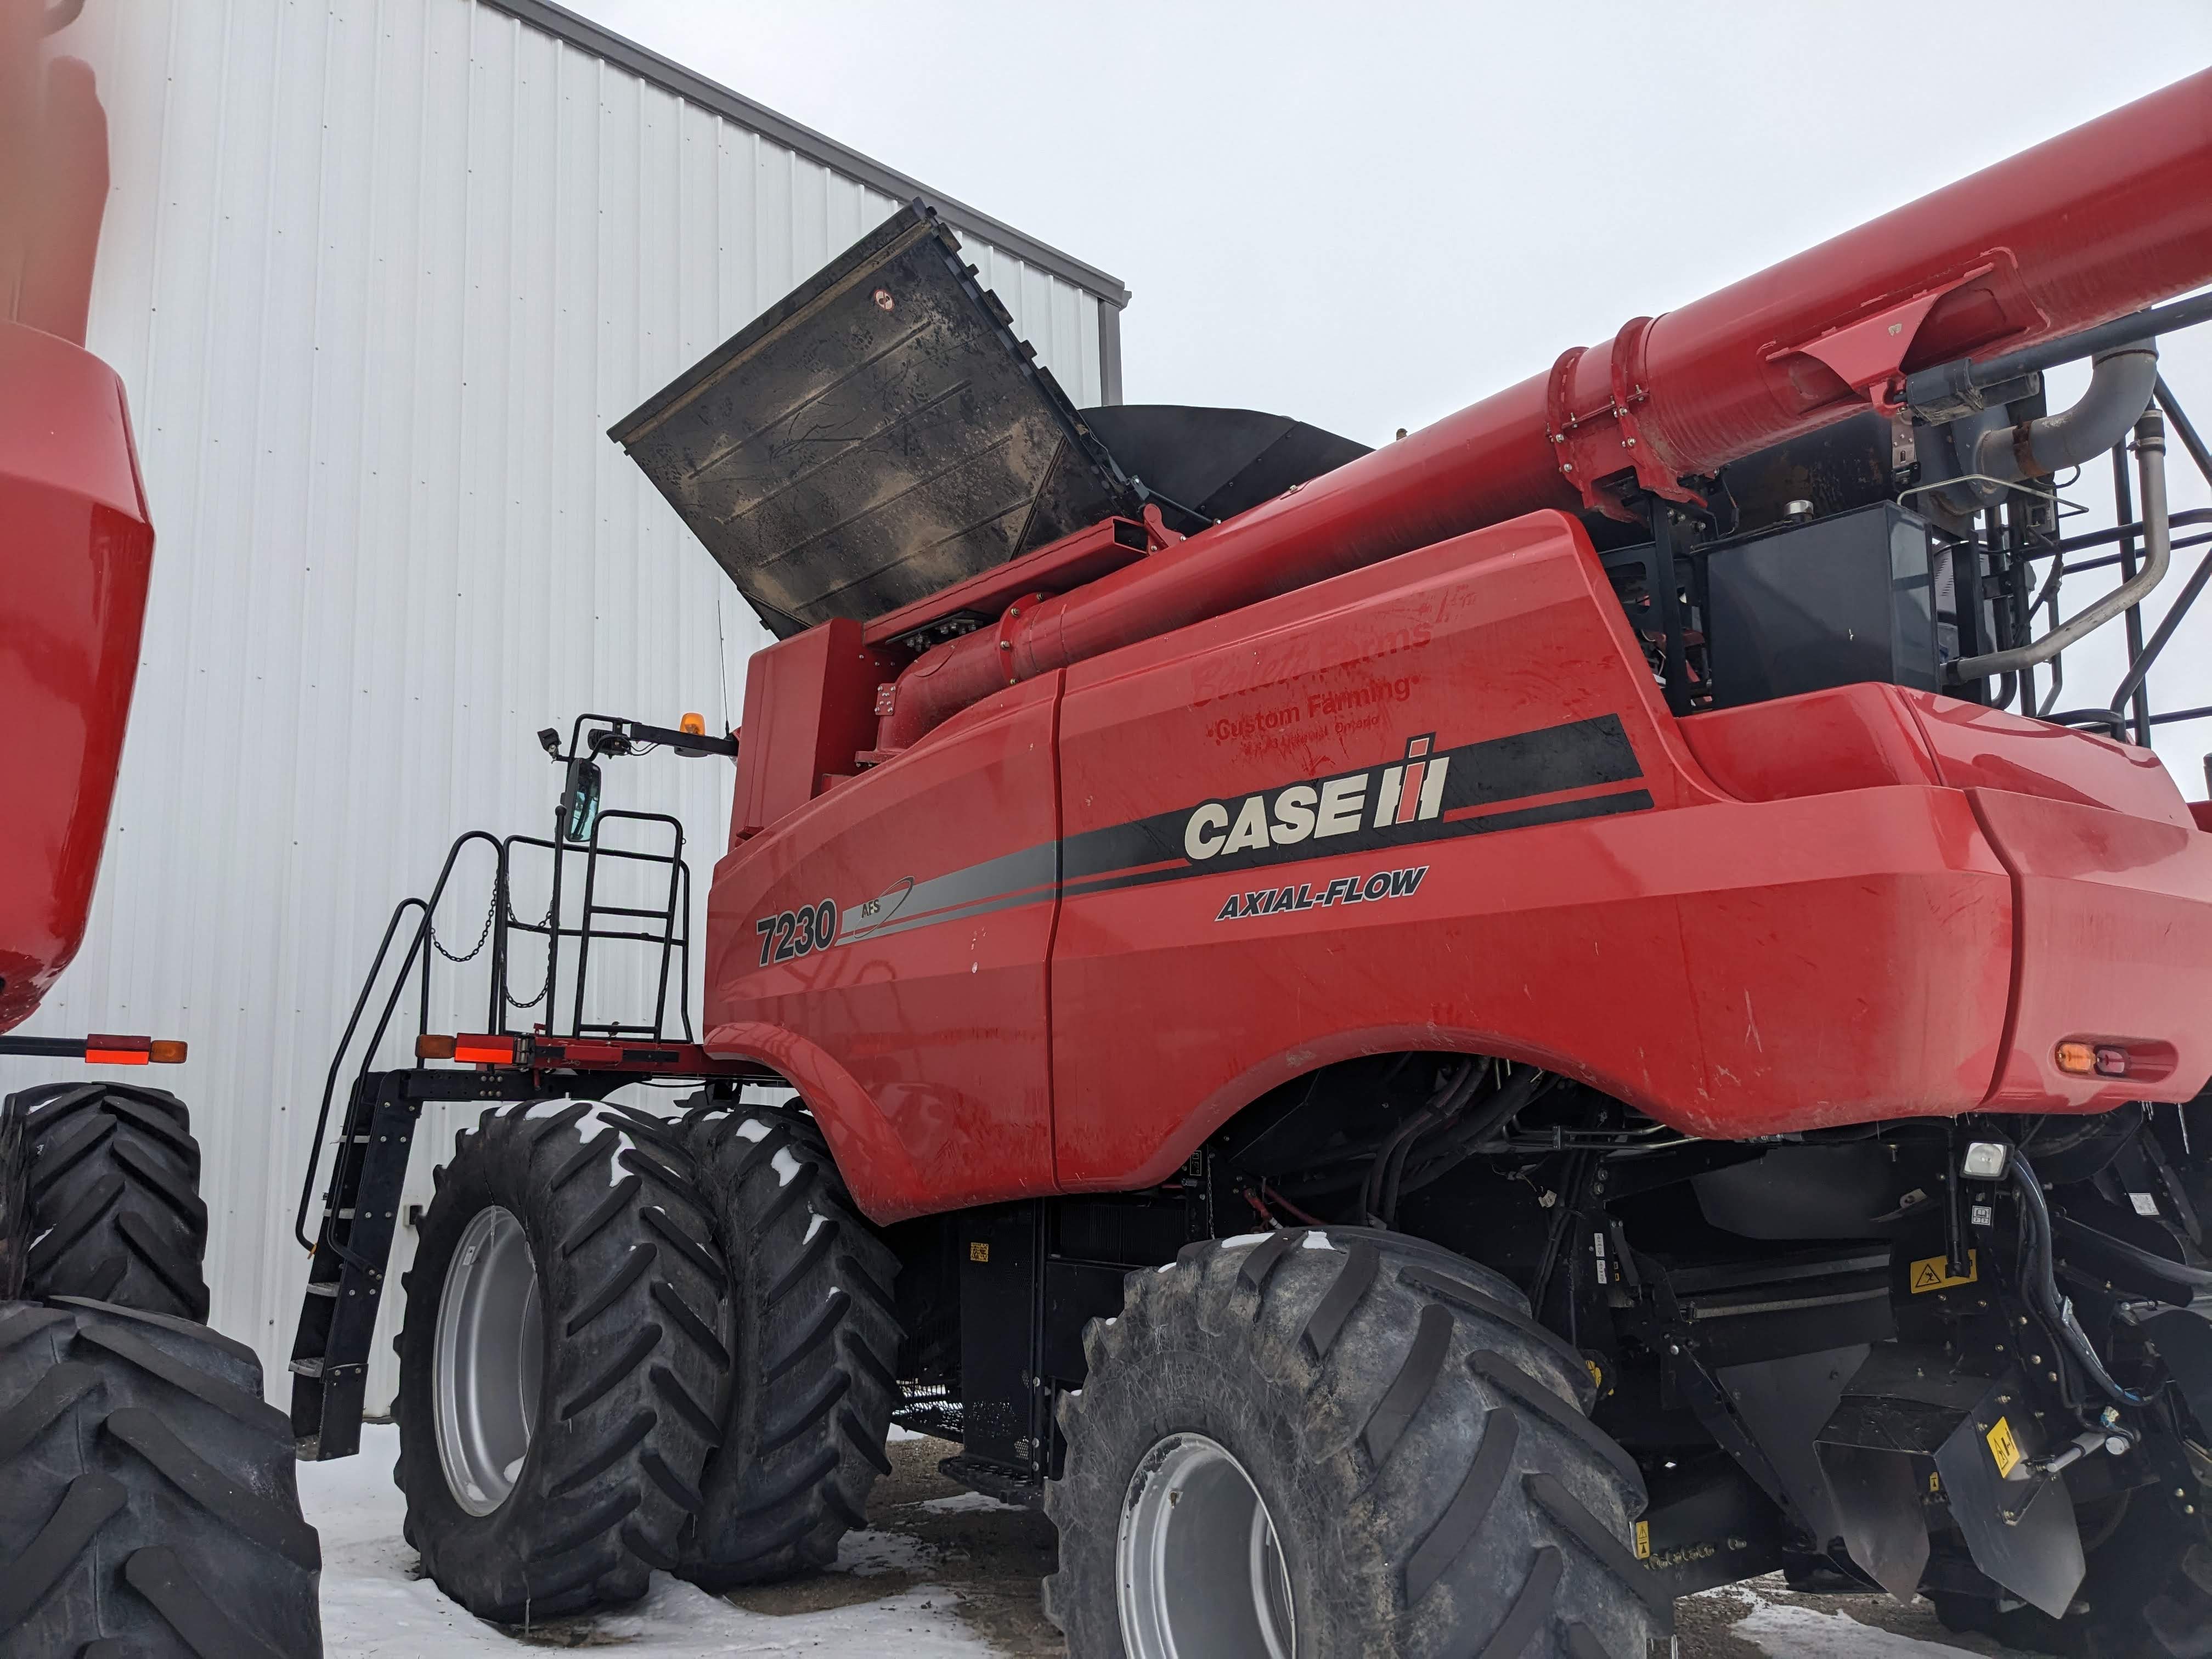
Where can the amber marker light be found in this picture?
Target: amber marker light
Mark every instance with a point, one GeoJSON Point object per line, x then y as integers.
{"type": "Point", "coordinates": [2076, 1059]}
{"type": "Point", "coordinates": [430, 1045]}
{"type": "Point", "coordinates": [165, 1051]}
{"type": "Point", "coordinates": [694, 725]}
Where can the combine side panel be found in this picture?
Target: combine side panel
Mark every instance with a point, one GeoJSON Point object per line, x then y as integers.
{"type": "Point", "coordinates": [1255, 884]}
{"type": "Point", "coordinates": [2115, 917]}
{"type": "Point", "coordinates": [884, 947]}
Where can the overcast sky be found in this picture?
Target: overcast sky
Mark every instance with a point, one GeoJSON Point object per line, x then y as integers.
{"type": "Point", "coordinates": [1367, 215]}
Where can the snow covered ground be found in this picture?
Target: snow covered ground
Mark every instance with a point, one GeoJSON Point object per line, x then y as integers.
{"type": "Point", "coordinates": [931, 1557]}
{"type": "Point", "coordinates": [375, 1606]}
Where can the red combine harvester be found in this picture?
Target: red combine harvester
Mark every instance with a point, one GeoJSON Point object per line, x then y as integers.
{"type": "Point", "coordinates": [1431, 1050]}
{"type": "Point", "coordinates": [147, 1491]}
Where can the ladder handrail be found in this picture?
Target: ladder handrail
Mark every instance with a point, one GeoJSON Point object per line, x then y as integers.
{"type": "Point", "coordinates": [674, 941]}
{"type": "Point", "coordinates": [418, 945]}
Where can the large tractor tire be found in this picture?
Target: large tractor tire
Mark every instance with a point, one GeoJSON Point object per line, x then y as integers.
{"type": "Point", "coordinates": [1345, 1441]}
{"type": "Point", "coordinates": [15, 1197]}
{"type": "Point", "coordinates": [562, 1363]}
{"type": "Point", "coordinates": [114, 1203]}
{"type": "Point", "coordinates": [147, 1503]}
{"type": "Point", "coordinates": [814, 1340]}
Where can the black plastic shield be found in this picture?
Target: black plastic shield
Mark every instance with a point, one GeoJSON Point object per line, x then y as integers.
{"type": "Point", "coordinates": [880, 433]}
{"type": "Point", "coordinates": [2022, 1532]}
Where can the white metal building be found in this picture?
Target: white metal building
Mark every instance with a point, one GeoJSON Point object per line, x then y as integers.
{"type": "Point", "coordinates": [378, 275]}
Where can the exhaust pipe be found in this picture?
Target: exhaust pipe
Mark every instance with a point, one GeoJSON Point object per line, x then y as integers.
{"type": "Point", "coordinates": [2158, 543]}
{"type": "Point", "coordinates": [2120, 384]}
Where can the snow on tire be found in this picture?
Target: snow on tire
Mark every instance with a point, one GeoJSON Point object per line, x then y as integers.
{"type": "Point", "coordinates": [147, 1493]}
{"type": "Point", "coordinates": [812, 1388]}
{"type": "Point", "coordinates": [1367, 1447]}
{"type": "Point", "coordinates": [114, 1203]}
{"type": "Point", "coordinates": [562, 1365]}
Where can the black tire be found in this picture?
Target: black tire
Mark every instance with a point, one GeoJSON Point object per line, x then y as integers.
{"type": "Point", "coordinates": [812, 1388]}
{"type": "Point", "coordinates": [147, 1493]}
{"type": "Point", "coordinates": [15, 1197]}
{"type": "Point", "coordinates": [634, 1356]}
{"type": "Point", "coordinates": [114, 1198]}
{"type": "Point", "coordinates": [1419, 1442]}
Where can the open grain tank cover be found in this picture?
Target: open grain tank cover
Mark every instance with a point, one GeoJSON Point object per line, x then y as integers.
{"type": "Point", "coordinates": [1202, 466]}
{"type": "Point", "coordinates": [877, 435]}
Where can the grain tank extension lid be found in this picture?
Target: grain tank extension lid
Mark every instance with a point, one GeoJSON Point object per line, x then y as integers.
{"type": "Point", "coordinates": [877, 435]}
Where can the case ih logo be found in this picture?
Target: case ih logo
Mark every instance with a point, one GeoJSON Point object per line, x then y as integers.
{"type": "Point", "coordinates": [1319, 808]}
{"type": "Point", "coordinates": [1582, 768]}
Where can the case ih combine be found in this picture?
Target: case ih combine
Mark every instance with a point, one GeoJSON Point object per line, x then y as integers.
{"type": "Point", "coordinates": [1431, 1049]}
{"type": "Point", "coordinates": [148, 1499]}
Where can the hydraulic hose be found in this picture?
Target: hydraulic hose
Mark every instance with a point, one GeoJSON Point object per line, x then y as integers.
{"type": "Point", "coordinates": [2041, 1281]}
{"type": "Point", "coordinates": [2158, 554]}
{"type": "Point", "coordinates": [1375, 1201]}
{"type": "Point", "coordinates": [1463, 1139]}
{"type": "Point", "coordinates": [2158, 1266]}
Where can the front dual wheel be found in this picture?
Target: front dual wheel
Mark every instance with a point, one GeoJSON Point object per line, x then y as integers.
{"type": "Point", "coordinates": [635, 1342]}
{"type": "Point", "coordinates": [563, 1363]}
{"type": "Point", "coordinates": [1307, 1444]}
{"type": "Point", "coordinates": [488, 1367]}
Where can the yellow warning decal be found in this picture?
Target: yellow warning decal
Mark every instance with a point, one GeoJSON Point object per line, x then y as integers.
{"type": "Point", "coordinates": [979, 1252]}
{"type": "Point", "coordinates": [1935, 1481]}
{"type": "Point", "coordinates": [1933, 1274]}
{"type": "Point", "coordinates": [2003, 1447]}
{"type": "Point", "coordinates": [1643, 1540]}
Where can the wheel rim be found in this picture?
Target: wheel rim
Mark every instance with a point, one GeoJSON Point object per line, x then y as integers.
{"type": "Point", "coordinates": [1201, 1569]}
{"type": "Point", "coordinates": [490, 1355]}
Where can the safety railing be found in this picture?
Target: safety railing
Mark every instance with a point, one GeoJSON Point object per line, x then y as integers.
{"type": "Point", "coordinates": [663, 927]}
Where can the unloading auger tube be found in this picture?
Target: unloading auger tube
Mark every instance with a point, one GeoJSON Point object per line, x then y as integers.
{"type": "Point", "coordinates": [2084, 228]}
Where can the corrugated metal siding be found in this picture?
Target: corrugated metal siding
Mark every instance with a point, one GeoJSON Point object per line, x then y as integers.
{"type": "Point", "coordinates": [377, 276]}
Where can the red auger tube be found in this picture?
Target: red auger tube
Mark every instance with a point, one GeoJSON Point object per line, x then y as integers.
{"type": "Point", "coordinates": [2102, 221]}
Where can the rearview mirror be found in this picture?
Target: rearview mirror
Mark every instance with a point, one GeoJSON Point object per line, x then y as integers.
{"type": "Point", "coordinates": [580, 801]}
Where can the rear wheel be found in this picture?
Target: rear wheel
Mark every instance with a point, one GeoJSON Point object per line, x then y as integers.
{"type": "Point", "coordinates": [114, 1201]}
{"type": "Point", "coordinates": [1348, 1442]}
{"type": "Point", "coordinates": [562, 1369]}
{"type": "Point", "coordinates": [147, 1493]}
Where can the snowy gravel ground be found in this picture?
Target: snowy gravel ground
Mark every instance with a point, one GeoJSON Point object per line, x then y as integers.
{"type": "Point", "coordinates": [377, 1606]}
{"type": "Point", "coordinates": [940, 1574]}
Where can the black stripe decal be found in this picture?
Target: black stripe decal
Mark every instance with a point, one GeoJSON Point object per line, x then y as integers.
{"type": "Point", "coordinates": [1565, 812]}
{"type": "Point", "coordinates": [1578, 755]}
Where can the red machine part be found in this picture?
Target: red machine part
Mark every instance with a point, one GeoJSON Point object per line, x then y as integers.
{"type": "Point", "coordinates": [75, 541]}
{"type": "Point", "coordinates": [2098, 222]}
{"type": "Point", "coordinates": [1053, 969]}
{"type": "Point", "coordinates": [75, 560]}
{"type": "Point", "coordinates": [814, 697]}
